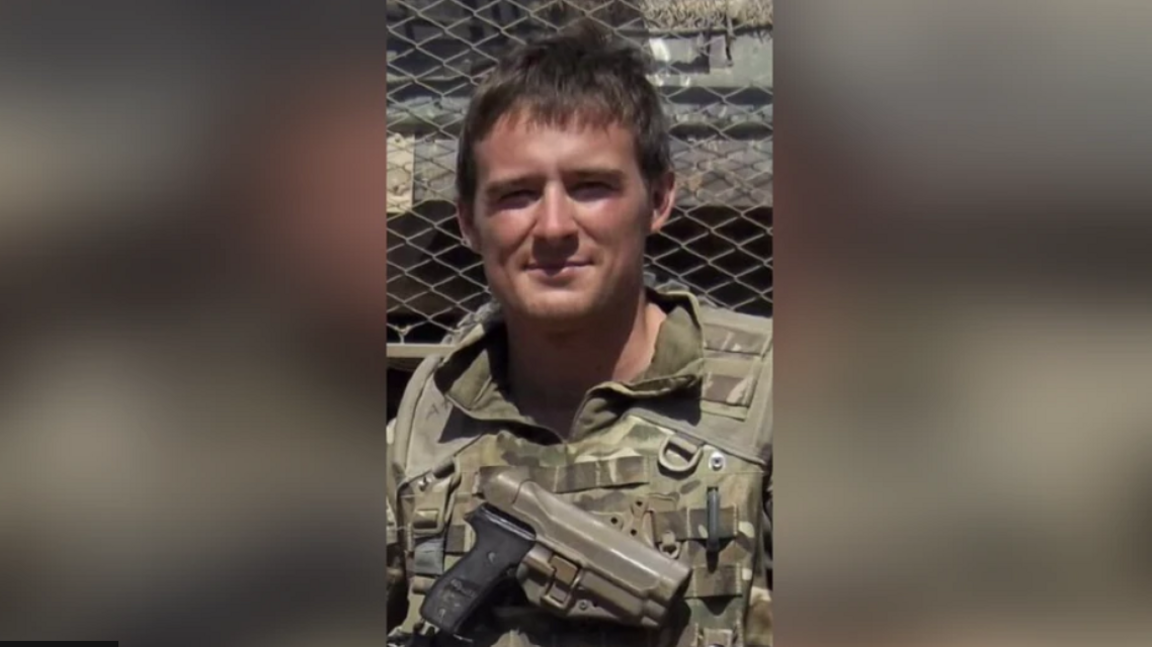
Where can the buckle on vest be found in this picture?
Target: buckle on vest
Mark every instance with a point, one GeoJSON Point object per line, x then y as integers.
{"type": "Point", "coordinates": [433, 494]}
{"type": "Point", "coordinates": [548, 579]}
{"type": "Point", "coordinates": [668, 544]}
{"type": "Point", "coordinates": [717, 638]}
{"type": "Point", "coordinates": [560, 585]}
{"type": "Point", "coordinates": [678, 456]}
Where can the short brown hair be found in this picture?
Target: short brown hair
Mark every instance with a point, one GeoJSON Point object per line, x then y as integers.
{"type": "Point", "coordinates": [582, 73]}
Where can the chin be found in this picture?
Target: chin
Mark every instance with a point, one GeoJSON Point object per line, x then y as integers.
{"type": "Point", "coordinates": [563, 311]}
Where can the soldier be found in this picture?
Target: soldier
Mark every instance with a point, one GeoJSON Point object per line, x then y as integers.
{"type": "Point", "coordinates": [646, 408]}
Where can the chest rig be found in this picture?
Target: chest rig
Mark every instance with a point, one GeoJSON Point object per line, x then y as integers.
{"type": "Point", "coordinates": [684, 474]}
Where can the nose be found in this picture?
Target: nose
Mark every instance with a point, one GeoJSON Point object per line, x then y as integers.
{"type": "Point", "coordinates": [556, 221]}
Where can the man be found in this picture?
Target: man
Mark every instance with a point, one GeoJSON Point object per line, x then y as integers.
{"type": "Point", "coordinates": [642, 407]}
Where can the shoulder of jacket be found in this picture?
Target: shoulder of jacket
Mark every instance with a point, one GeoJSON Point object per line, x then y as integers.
{"type": "Point", "coordinates": [736, 382]}
{"type": "Point", "coordinates": [415, 402]}
{"type": "Point", "coordinates": [728, 331]}
{"type": "Point", "coordinates": [737, 357]}
{"type": "Point", "coordinates": [429, 429]}
{"type": "Point", "coordinates": [734, 411]}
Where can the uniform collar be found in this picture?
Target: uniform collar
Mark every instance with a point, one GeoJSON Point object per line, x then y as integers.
{"type": "Point", "coordinates": [474, 375]}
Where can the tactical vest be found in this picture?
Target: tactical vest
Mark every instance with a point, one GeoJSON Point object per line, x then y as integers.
{"type": "Point", "coordinates": [649, 475]}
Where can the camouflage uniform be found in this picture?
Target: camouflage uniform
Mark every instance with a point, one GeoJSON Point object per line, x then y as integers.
{"type": "Point", "coordinates": [640, 455]}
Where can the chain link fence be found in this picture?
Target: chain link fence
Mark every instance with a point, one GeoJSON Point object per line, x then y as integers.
{"type": "Point", "coordinates": [714, 69]}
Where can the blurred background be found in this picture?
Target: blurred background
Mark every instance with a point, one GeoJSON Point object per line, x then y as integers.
{"type": "Point", "coordinates": [963, 433]}
{"type": "Point", "coordinates": [713, 66]}
{"type": "Point", "coordinates": [192, 322]}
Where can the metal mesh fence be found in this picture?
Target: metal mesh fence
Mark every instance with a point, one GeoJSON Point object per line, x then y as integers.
{"type": "Point", "coordinates": [714, 62]}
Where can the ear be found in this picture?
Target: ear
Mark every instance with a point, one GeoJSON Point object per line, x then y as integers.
{"type": "Point", "coordinates": [465, 218]}
{"type": "Point", "coordinates": [663, 200]}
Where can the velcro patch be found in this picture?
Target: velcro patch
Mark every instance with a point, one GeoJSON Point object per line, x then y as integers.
{"type": "Point", "coordinates": [722, 581]}
{"type": "Point", "coordinates": [585, 475]}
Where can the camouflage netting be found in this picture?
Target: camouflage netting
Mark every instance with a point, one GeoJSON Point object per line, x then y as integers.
{"type": "Point", "coordinates": [707, 14]}
{"type": "Point", "coordinates": [664, 15]}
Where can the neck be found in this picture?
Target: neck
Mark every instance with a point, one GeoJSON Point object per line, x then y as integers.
{"type": "Point", "coordinates": [551, 372]}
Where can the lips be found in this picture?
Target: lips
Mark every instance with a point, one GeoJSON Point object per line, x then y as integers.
{"type": "Point", "coordinates": [556, 267]}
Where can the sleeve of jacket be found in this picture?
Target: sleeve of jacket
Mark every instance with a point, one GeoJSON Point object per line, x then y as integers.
{"type": "Point", "coordinates": [758, 622]}
{"type": "Point", "coordinates": [768, 526]}
{"type": "Point", "coordinates": [394, 550]}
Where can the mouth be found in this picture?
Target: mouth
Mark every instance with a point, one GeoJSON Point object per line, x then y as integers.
{"type": "Point", "coordinates": [557, 267]}
{"type": "Point", "coordinates": [557, 270]}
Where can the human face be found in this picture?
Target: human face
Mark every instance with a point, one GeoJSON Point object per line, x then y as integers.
{"type": "Point", "coordinates": [560, 216]}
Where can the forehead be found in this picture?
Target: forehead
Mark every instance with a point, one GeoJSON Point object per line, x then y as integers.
{"type": "Point", "coordinates": [518, 143]}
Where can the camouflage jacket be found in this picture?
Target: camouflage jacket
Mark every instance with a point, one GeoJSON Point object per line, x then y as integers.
{"type": "Point", "coordinates": [640, 455]}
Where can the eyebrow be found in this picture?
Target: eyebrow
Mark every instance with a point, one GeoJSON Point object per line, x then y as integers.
{"type": "Point", "coordinates": [598, 173]}
{"type": "Point", "coordinates": [496, 187]}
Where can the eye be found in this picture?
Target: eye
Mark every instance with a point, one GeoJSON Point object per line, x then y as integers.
{"type": "Point", "coordinates": [592, 190]}
{"type": "Point", "coordinates": [515, 199]}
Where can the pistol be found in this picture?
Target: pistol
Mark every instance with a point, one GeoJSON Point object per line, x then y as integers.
{"type": "Point", "coordinates": [567, 561]}
{"type": "Point", "coordinates": [501, 544]}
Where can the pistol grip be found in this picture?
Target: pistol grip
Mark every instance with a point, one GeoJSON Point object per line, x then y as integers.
{"type": "Point", "coordinates": [501, 545]}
